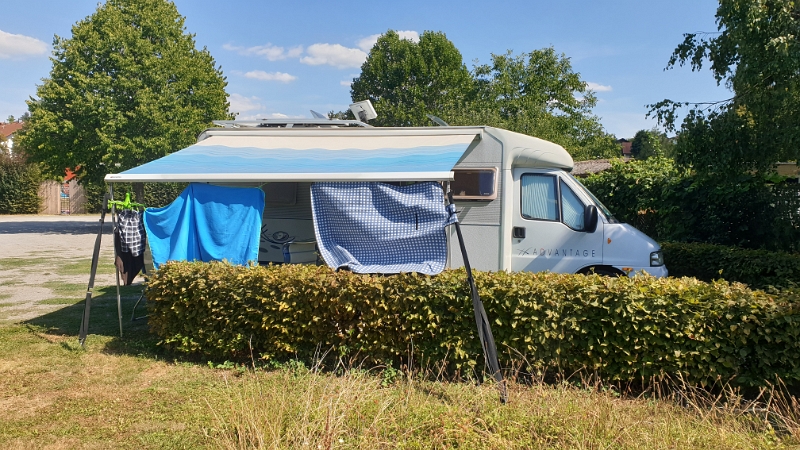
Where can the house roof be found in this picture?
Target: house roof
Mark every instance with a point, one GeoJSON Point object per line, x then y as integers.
{"type": "Point", "coordinates": [7, 129]}
{"type": "Point", "coordinates": [583, 168]}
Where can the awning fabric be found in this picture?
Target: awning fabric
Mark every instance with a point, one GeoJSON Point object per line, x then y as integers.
{"type": "Point", "coordinates": [243, 157]}
{"type": "Point", "coordinates": [381, 228]}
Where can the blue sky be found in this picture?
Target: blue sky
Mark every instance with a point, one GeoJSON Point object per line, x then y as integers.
{"type": "Point", "coordinates": [285, 58]}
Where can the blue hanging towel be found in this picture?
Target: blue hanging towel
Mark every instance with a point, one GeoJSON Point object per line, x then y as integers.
{"type": "Point", "coordinates": [207, 223]}
{"type": "Point", "coordinates": [381, 228]}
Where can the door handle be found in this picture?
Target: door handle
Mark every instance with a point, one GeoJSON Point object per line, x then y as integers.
{"type": "Point", "coordinates": [518, 233]}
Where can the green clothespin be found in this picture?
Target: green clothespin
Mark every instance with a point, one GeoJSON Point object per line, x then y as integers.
{"type": "Point", "coordinates": [126, 204]}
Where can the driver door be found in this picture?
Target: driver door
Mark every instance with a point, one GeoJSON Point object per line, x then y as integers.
{"type": "Point", "coordinates": [548, 225]}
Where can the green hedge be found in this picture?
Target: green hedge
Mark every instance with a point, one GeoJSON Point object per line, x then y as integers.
{"type": "Point", "coordinates": [757, 268]}
{"type": "Point", "coordinates": [624, 329]}
{"type": "Point", "coordinates": [19, 186]}
{"type": "Point", "coordinates": [672, 205]}
{"type": "Point", "coordinates": [156, 195]}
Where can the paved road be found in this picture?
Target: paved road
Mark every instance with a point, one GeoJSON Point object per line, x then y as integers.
{"type": "Point", "coordinates": [50, 242]}
{"type": "Point", "coordinates": [75, 225]}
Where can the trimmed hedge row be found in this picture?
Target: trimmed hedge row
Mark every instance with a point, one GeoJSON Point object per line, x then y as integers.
{"type": "Point", "coordinates": [624, 329]}
{"type": "Point", "coordinates": [156, 195]}
{"type": "Point", "coordinates": [19, 186]}
{"type": "Point", "coordinates": [669, 204]}
{"type": "Point", "coordinates": [757, 268]}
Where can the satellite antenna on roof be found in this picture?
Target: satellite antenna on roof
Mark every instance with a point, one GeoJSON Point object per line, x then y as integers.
{"type": "Point", "coordinates": [317, 115]}
{"type": "Point", "coordinates": [437, 120]}
{"type": "Point", "coordinates": [363, 111]}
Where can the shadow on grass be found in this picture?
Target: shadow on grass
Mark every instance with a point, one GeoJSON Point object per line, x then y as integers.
{"type": "Point", "coordinates": [136, 339]}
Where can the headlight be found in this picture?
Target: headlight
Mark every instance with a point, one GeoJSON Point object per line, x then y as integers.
{"type": "Point", "coordinates": [656, 259]}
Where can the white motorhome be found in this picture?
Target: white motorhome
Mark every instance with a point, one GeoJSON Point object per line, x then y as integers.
{"type": "Point", "coordinates": [518, 205]}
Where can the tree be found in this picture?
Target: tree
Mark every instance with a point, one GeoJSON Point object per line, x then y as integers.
{"type": "Point", "coordinates": [539, 94]}
{"type": "Point", "coordinates": [756, 54]}
{"type": "Point", "coordinates": [4, 151]}
{"type": "Point", "coordinates": [534, 93]}
{"type": "Point", "coordinates": [648, 143]}
{"type": "Point", "coordinates": [405, 80]}
{"type": "Point", "coordinates": [128, 87]}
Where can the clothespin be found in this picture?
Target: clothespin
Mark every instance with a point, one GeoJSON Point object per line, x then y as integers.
{"type": "Point", "coordinates": [126, 204]}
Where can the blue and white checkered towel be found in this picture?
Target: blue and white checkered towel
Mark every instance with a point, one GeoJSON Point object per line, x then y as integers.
{"type": "Point", "coordinates": [381, 228]}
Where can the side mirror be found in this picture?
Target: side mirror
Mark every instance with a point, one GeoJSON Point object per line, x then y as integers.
{"type": "Point", "coordinates": [590, 219]}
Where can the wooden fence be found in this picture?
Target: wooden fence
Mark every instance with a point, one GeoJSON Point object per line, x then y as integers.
{"type": "Point", "coordinates": [62, 198]}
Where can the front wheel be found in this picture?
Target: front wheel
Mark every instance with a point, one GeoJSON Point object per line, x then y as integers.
{"type": "Point", "coordinates": [605, 271]}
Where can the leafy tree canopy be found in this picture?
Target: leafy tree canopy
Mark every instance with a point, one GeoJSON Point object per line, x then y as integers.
{"type": "Point", "coordinates": [651, 143]}
{"type": "Point", "coordinates": [756, 54]}
{"type": "Point", "coordinates": [405, 80]}
{"type": "Point", "coordinates": [128, 87]}
{"type": "Point", "coordinates": [4, 151]}
{"type": "Point", "coordinates": [539, 94]}
{"type": "Point", "coordinates": [535, 93]}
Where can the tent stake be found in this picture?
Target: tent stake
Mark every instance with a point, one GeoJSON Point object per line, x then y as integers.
{"type": "Point", "coordinates": [95, 258]}
{"type": "Point", "coordinates": [484, 329]}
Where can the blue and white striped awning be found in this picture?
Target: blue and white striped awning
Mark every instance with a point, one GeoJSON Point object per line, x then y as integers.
{"type": "Point", "coordinates": [373, 154]}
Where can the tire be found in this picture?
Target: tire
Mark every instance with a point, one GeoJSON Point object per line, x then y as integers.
{"type": "Point", "coordinates": [603, 271]}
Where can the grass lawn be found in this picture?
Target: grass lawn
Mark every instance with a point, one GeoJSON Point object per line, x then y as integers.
{"type": "Point", "coordinates": [127, 393]}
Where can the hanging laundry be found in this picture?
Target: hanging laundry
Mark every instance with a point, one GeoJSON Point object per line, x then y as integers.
{"type": "Point", "coordinates": [381, 228]}
{"type": "Point", "coordinates": [131, 229]}
{"type": "Point", "coordinates": [128, 265]}
{"type": "Point", "coordinates": [207, 223]}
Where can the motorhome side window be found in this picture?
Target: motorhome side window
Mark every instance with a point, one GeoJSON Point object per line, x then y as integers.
{"type": "Point", "coordinates": [539, 200]}
{"type": "Point", "coordinates": [571, 208]}
{"type": "Point", "coordinates": [474, 184]}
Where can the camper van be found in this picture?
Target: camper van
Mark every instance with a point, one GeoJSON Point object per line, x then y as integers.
{"type": "Point", "coordinates": [518, 206]}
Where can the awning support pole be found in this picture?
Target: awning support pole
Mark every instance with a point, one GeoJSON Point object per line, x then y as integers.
{"type": "Point", "coordinates": [95, 258]}
{"type": "Point", "coordinates": [116, 269]}
{"type": "Point", "coordinates": [484, 329]}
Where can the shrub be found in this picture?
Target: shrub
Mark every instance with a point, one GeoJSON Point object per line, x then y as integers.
{"type": "Point", "coordinates": [757, 268]}
{"type": "Point", "coordinates": [156, 195]}
{"type": "Point", "coordinates": [19, 186]}
{"type": "Point", "coordinates": [669, 205]}
{"type": "Point", "coordinates": [622, 328]}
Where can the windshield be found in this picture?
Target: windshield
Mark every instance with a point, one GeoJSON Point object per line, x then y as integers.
{"type": "Point", "coordinates": [598, 203]}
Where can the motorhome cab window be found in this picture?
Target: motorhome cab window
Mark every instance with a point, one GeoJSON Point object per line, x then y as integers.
{"type": "Point", "coordinates": [539, 200]}
{"type": "Point", "coordinates": [474, 184]}
{"type": "Point", "coordinates": [571, 208]}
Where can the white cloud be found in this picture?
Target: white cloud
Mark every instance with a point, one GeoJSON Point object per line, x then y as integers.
{"type": "Point", "coordinates": [268, 51]}
{"type": "Point", "coordinates": [411, 35]}
{"type": "Point", "coordinates": [597, 87]}
{"type": "Point", "coordinates": [368, 42]}
{"type": "Point", "coordinates": [240, 103]}
{"type": "Point", "coordinates": [346, 83]}
{"type": "Point", "coordinates": [270, 76]}
{"type": "Point", "coordinates": [12, 45]}
{"type": "Point", "coordinates": [334, 55]}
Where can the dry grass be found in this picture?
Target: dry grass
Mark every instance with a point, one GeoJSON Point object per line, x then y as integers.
{"type": "Point", "coordinates": [123, 393]}
{"type": "Point", "coordinates": [127, 393]}
{"type": "Point", "coordinates": [302, 409]}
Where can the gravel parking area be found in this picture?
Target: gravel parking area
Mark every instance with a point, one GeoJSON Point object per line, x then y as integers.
{"type": "Point", "coordinates": [43, 257]}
